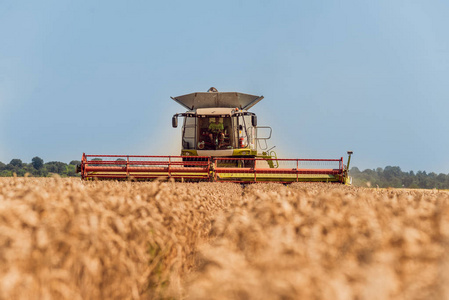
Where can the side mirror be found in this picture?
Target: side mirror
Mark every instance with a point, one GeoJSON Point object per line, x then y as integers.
{"type": "Point", "coordinates": [174, 121]}
{"type": "Point", "coordinates": [254, 120]}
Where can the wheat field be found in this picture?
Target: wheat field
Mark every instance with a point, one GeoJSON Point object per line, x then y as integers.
{"type": "Point", "coordinates": [67, 239]}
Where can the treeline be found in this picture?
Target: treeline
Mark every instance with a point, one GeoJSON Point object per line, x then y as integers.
{"type": "Point", "coordinates": [396, 178]}
{"type": "Point", "coordinates": [37, 168]}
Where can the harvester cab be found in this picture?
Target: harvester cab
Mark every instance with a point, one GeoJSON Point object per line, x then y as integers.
{"type": "Point", "coordinates": [221, 142]}
{"type": "Point", "coordinates": [218, 124]}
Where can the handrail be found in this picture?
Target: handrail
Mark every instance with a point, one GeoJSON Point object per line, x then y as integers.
{"type": "Point", "coordinates": [258, 139]}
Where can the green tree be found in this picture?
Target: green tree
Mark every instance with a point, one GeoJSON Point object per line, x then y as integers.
{"type": "Point", "coordinates": [37, 162]}
{"type": "Point", "coordinates": [392, 176]}
{"type": "Point", "coordinates": [16, 163]}
{"type": "Point", "coordinates": [56, 167]}
{"type": "Point", "coordinates": [71, 170]}
{"type": "Point", "coordinates": [6, 173]}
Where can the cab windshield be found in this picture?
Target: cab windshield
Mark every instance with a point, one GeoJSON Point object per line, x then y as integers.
{"type": "Point", "coordinates": [222, 132]}
{"type": "Point", "coordinates": [215, 133]}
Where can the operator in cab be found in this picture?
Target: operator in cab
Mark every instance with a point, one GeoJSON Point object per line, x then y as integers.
{"type": "Point", "coordinates": [217, 129]}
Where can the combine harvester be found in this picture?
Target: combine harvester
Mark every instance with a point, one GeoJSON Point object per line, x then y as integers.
{"type": "Point", "coordinates": [221, 142]}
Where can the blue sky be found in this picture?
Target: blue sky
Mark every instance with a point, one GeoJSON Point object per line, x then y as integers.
{"type": "Point", "coordinates": [96, 77]}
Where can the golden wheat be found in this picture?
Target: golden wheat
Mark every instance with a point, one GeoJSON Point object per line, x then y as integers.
{"type": "Point", "coordinates": [67, 239]}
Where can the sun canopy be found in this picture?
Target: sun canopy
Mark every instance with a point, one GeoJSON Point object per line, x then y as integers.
{"type": "Point", "coordinates": [217, 99]}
